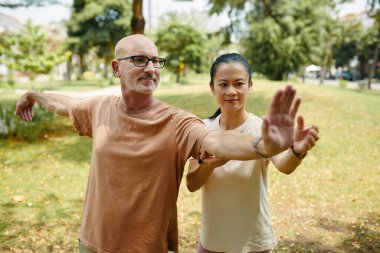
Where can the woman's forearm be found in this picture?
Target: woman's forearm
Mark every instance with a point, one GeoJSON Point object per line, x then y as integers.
{"type": "Point", "coordinates": [286, 161]}
{"type": "Point", "coordinates": [197, 175]}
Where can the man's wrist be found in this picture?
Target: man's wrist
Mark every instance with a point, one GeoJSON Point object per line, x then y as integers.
{"type": "Point", "coordinates": [258, 151]}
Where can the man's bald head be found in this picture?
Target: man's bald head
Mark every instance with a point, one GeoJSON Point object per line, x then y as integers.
{"type": "Point", "coordinates": [131, 44]}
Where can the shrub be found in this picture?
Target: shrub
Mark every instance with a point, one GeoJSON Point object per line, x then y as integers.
{"type": "Point", "coordinates": [11, 126]}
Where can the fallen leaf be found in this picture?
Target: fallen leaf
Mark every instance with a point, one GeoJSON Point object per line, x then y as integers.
{"type": "Point", "coordinates": [18, 198]}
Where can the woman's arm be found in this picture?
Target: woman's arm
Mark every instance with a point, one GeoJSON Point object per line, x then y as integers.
{"type": "Point", "coordinates": [200, 170]}
{"type": "Point", "coordinates": [304, 140]}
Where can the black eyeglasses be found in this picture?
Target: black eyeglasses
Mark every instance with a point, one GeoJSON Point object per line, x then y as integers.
{"type": "Point", "coordinates": [142, 61]}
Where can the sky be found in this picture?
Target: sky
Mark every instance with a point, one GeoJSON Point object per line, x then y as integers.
{"type": "Point", "coordinates": [57, 13]}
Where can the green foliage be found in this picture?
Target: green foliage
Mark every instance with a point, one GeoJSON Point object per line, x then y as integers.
{"type": "Point", "coordinates": [282, 36]}
{"type": "Point", "coordinates": [367, 44]}
{"type": "Point", "coordinates": [346, 48]}
{"type": "Point", "coordinates": [285, 38]}
{"type": "Point", "coordinates": [11, 126]}
{"type": "Point", "coordinates": [98, 24]}
{"type": "Point", "coordinates": [28, 51]}
{"type": "Point", "coordinates": [183, 45]}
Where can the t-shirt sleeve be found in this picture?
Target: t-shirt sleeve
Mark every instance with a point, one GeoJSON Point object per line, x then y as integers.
{"type": "Point", "coordinates": [190, 132]}
{"type": "Point", "coordinates": [81, 113]}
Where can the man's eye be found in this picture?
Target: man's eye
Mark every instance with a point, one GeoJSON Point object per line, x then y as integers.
{"type": "Point", "coordinates": [156, 61]}
{"type": "Point", "coordinates": [140, 60]}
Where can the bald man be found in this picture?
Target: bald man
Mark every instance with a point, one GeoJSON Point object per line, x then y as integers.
{"type": "Point", "coordinates": [139, 149]}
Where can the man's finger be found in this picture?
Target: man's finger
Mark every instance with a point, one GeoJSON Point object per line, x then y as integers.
{"type": "Point", "coordinates": [265, 127]}
{"type": "Point", "coordinates": [287, 97]}
{"type": "Point", "coordinates": [274, 106]}
{"type": "Point", "coordinates": [294, 110]}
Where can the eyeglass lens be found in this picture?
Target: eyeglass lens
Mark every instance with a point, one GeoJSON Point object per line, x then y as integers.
{"type": "Point", "coordinates": [142, 61]}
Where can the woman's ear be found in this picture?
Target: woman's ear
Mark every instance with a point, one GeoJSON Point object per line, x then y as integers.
{"type": "Point", "coordinates": [250, 86]}
{"type": "Point", "coordinates": [212, 88]}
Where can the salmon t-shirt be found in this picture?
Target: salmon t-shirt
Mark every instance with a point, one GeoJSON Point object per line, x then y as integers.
{"type": "Point", "coordinates": [136, 169]}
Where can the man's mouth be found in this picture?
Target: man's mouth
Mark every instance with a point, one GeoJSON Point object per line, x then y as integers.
{"type": "Point", "coordinates": [147, 78]}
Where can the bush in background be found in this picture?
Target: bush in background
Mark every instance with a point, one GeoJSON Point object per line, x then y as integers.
{"type": "Point", "coordinates": [12, 127]}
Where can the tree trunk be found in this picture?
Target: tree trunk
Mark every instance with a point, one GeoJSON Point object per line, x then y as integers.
{"type": "Point", "coordinates": [105, 73]}
{"type": "Point", "coordinates": [322, 75]}
{"type": "Point", "coordinates": [138, 21]}
{"type": "Point", "coordinates": [69, 70]}
{"type": "Point", "coordinates": [374, 60]}
{"type": "Point", "coordinates": [80, 67]}
{"type": "Point", "coordinates": [267, 8]}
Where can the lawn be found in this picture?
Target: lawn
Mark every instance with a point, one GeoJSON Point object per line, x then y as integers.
{"type": "Point", "coordinates": [329, 204]}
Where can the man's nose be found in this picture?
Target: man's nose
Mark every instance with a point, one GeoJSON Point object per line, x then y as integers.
{"type": "Point", "coordinates": [149, 67]}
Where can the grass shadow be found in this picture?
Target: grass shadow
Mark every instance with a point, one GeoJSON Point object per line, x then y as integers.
{"type": "Point", "coordinates": [364, 237]}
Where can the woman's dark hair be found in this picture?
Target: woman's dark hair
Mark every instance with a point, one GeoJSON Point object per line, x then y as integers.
{"type": "Point", "coordinates": [228, 58]}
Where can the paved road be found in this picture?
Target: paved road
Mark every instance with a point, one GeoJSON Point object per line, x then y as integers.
{"type": "Point", "coordinates": [350, 85]}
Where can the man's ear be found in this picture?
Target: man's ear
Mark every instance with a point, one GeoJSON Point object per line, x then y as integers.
{"type": "Point", "coordinates": [115, 68]}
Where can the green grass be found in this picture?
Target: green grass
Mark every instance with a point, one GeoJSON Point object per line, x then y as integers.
{"type": "Point", "coordinates": [329, 204]}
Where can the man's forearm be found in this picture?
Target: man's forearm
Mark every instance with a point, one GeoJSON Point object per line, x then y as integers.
{"type": "Point", "coordinates": [56, 103]}
{"type": "Point", "coordinates": [231, 145]}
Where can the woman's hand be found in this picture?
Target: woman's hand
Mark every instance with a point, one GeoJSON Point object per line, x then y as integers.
{"type": "Point", "coordinates": [304, 138]}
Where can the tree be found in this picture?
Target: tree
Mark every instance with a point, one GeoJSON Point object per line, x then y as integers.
{"type": "Point", "coordinates": [281, 36]}
{"type": "Point", "coordinates": [282, 40]}
{"type": "Point", "coordinates": [98, 24]}
{"type": "Point", "coordinates": [184, 47]}
{"type": "Point", "coordinates": [375, 14]}
{"type": "Point", "coordinates": [28, 51]}
{"type": "Point", "coordinates": [366, 46]}
{"type": "Point", "coordinates": [347, 47]}
{"type": "Point", "coordinates": [330, 34]}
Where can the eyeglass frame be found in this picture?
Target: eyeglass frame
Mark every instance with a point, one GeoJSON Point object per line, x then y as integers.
{"type": "Point", "coordinates": [146, 64]}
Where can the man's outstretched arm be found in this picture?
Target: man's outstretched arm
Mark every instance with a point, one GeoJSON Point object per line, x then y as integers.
{"type": "Point", "coordinates": [56, 103]}
{"type": "Point", "coordinates": [277, 132]}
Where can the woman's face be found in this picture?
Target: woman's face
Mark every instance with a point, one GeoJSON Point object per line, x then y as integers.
{"type": "Point", "coordinates": [231, 86]}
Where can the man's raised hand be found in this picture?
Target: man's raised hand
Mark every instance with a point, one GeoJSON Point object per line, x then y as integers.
{"type": "Point", "coordinates": [278, 124]}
